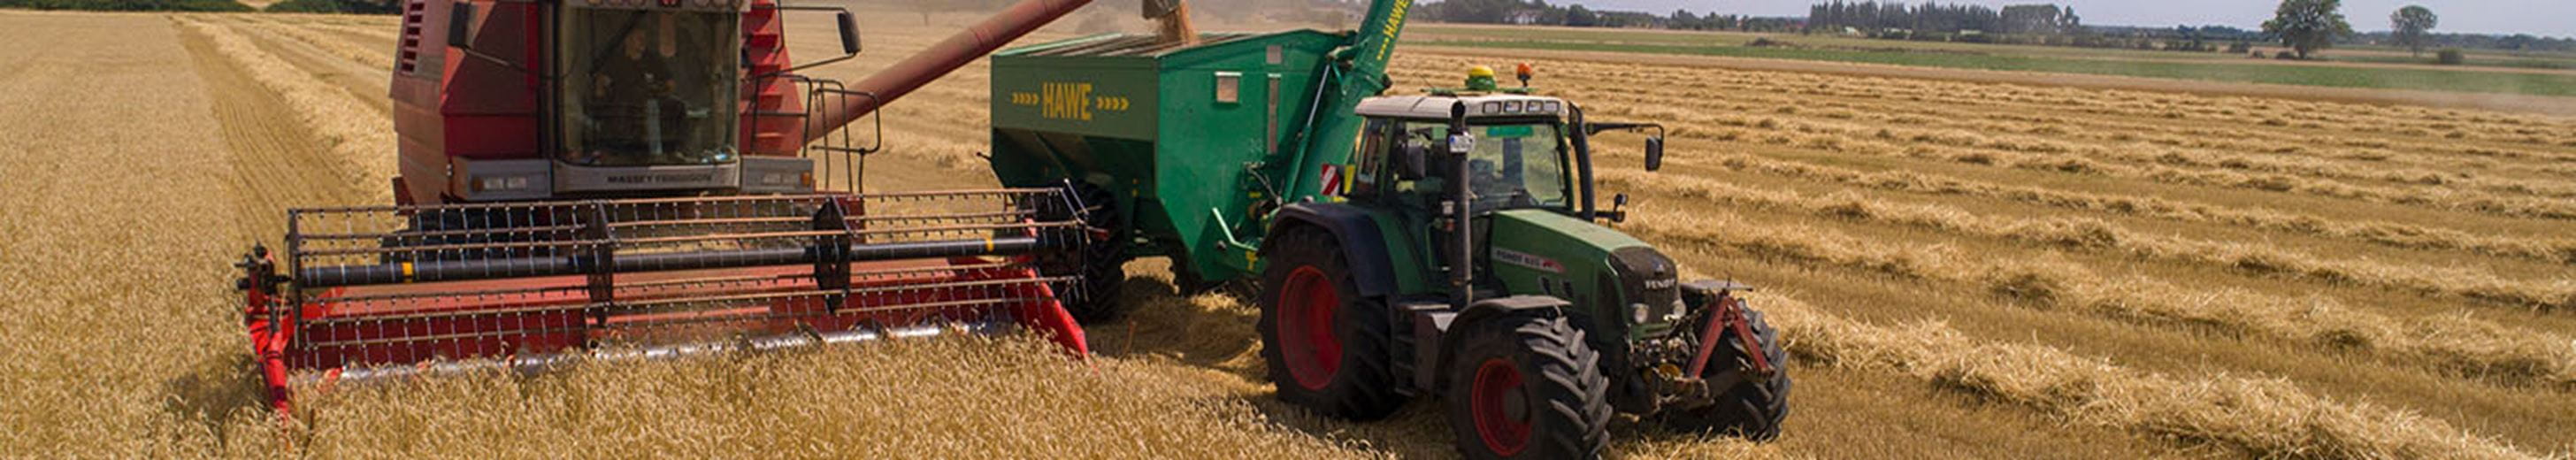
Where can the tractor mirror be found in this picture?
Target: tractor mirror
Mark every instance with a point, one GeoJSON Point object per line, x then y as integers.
{"type": "Point", "coordinates": [1416, 161]}
{"type": "Point", "coordinates": [460, 25]}
{"type": "Point", "coordinates": [1654, 153]}
{"type": "Point", "coordinates": [1618, 209]}
{"type": "Point", "coordinates": [849, 34]}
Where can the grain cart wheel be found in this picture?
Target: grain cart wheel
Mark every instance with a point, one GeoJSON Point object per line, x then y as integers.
{"type": "Point", "coordinates": [1327, 346]}
{"type": "Point", "coordinates": [1103, 263]}
{"type": "Point", "coordinates": [1749, 408]}
{"type": "Point", "coordinates": [1525, 386]}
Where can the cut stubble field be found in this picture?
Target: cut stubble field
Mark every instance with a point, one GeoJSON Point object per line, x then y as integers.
{"type": "Point", "coordinates": [1961, 269]}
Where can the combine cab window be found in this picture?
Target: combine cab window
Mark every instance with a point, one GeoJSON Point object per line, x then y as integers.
{"type": "Point", "coordinates": [649, 87]}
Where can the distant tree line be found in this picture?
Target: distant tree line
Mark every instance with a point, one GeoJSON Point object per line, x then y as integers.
{"type": "Point", "coordinates": [337, 6]}
{"type": "Point", "coordinates": [1932, 17]}
{"type": "Point", "coordinates": [127, 5]}
{"type": "Point", "coordinates": [287, 6]}
{"type": "Point", "coordinates": [2515, 42]}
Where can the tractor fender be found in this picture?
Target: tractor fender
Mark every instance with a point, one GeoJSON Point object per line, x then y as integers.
{"type": "Point", "coordinates": [1361, 242]}
{"type": "Point", "coordinates": [1486, 310]}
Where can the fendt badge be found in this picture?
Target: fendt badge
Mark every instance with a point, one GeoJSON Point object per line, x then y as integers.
{"type": "Point", "coordinates": [1524, 259]}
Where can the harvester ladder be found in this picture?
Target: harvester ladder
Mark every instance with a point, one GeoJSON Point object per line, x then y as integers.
{"type": "Point", "coordinates": [407, 59]}
{"type": "Point", "coordinates": [837, 148]}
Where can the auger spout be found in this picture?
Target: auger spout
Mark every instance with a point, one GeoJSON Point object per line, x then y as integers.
{"type": "Point", "coordinates": [946, 56]}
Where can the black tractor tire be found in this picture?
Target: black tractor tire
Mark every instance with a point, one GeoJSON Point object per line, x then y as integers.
{"type": "Point", "coordinates": [1526, 386]}
{"type": "Point", "coordinates": [1096, 300]}
{"type": "Point", "coordinates": [1327, 347]}
{"type": "Point", "coordinates": [1102, 264]}
{"type": "Point", "coordinates": [1747, 408]}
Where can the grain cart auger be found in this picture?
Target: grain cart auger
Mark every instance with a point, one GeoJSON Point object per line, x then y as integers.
{"type": "Point", "coordinates": [618, 179]}
{"type": "Point", "coordinates": [1441, 244]}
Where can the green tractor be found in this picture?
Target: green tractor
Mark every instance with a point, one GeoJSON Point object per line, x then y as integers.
{"type": "Point", "coordinates": [1446, 244]}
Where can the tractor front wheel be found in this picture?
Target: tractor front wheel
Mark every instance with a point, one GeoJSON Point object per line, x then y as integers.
{"type": "Point", "coordinates": [1750, 407]}
{"type": "Point", "coordinates": [1526, 386]}
{"type": "Point", "coordinates": [1327, 347]}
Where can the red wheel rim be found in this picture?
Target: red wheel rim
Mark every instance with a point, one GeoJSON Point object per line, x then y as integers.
{"type": "Point", "coordinates": [1306, 340]}
{"type": "Point", "coordinates": [1501, 407]}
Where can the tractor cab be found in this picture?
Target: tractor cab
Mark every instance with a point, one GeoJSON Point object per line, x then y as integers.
{"type": "Point", "coordinates": [1520, 150]}
{"type": "Point", "coordinates": [1515, 147]}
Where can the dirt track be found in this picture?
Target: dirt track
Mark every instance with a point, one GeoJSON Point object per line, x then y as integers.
{"type": "Point", "coordinates": [1964, 269]}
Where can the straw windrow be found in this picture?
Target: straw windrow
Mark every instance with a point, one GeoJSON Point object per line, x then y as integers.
{"type": "Point", "coordinates": [2471, 346]}
{"type": "Point", "coordinates": [2265, 417]}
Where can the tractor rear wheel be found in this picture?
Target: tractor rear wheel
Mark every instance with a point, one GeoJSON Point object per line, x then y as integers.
{"type": "Point", "coordinates": [1327, 347]}
{"type": "Point", "coordinates": [1525, 386]}
{"type": "Point", "coordinates": [1748, 407]}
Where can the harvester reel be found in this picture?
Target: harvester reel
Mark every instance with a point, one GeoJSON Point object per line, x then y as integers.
{"type": "Point", "coordinates": [432, 226]}
{"type": "Point", "coordinates": [387, 291]}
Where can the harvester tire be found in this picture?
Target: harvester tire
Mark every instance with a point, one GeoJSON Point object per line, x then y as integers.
{"type": "Point", "coordinates": [1328, 348]}
{"type": "Point", "coordinates": [1526, 386]}
{"type": "Point", "coordinates": [1103, 264]}
{"type": "Point", "coordinates": [1747, 408]}
{"type": "Point", "coordinates": [1102, 281]}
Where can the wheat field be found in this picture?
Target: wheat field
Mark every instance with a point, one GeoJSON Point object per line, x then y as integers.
{"type": "Point", "coordinates": [1960, 269]}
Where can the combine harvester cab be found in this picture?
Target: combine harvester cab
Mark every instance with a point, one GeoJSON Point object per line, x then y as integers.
{"type": "Point", "coordinates": [611, 180]}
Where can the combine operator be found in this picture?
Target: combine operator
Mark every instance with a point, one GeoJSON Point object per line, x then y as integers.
{"type": "Point", "coordinates": [641, 108]}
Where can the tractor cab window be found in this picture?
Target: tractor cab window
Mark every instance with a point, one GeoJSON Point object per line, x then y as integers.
{"type": "Point", "coordinates": [647, 87]}
{"type": "Point", "coordinates": [1512, 165]}
{"type": "Point", "coordinates": [1372, 157]}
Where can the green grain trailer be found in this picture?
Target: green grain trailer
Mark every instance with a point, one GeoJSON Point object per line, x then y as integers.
{"type": "Point", "coordinates": [1168, 138]}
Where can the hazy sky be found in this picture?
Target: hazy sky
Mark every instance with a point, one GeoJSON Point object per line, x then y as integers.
{"type": "Point", "coordinates": [2538, 17]}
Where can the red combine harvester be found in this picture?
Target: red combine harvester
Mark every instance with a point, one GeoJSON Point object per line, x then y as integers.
{"type": "Point", "coordinates": [621, 179]}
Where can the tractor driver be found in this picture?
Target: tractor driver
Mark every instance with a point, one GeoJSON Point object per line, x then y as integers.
{"type": "Point", "coordinates": [1497, 169]}
{"type": "Point", "coordinates": [632, 106]}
